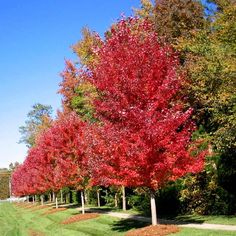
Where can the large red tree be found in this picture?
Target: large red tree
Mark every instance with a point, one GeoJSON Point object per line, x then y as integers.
{"type": "Point", "coordinates": [145, 139]}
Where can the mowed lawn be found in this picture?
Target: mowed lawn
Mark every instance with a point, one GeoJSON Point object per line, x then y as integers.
{"type": "Point", "coordinates": [16, 221]}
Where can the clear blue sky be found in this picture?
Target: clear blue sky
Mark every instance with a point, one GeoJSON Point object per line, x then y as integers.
{"type": "Point", "coordinates": [35, 38]}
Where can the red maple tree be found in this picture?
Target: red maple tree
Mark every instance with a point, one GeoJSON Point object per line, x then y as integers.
{"type": "Point", "coordinates": [145, 139]}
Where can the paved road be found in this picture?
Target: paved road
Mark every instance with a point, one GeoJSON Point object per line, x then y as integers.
{"type": "Point", "coordinates": [162, 221]}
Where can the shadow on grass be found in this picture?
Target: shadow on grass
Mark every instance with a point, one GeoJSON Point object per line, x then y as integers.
{"type": "Point", "coordinates": [128, 224]}
{"type": "Point", "coordinates": [185, 219]}
{"type": "Point", "coordinates": [72, 206]}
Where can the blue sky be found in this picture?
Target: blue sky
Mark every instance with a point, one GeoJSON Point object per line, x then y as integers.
{"type": "Point", "coordinates": [35, 38]}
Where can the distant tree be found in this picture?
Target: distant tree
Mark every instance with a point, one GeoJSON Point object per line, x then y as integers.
{"type": "Point", "coordinates": [12, 166]}
{"type": "Point", "coordinates": [39, 119]}
{"type": "Point", "coordinates": [4, 183]}
{"type": "Point", "coordinates": [77, 93]}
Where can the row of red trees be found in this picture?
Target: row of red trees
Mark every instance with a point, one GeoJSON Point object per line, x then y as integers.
{"type": "Point", "coordinates": [143, 137]}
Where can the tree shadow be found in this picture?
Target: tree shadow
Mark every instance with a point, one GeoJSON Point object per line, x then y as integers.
{"type": "Point", "coordinates": [185, 219]}
{"type": "Point", "coordinates": [128, 224]}
{"type": "Point", "coordinates": [72, 206]}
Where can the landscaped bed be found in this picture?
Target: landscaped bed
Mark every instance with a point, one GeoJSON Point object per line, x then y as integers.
{"type": "Point", "coordinates": [157, 230]}
{"type": "Point", "coordinates": [80, 217]}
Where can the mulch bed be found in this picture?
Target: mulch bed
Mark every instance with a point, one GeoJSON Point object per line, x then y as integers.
{"type": "Point", "coordinates": [54, 211]}
{"type": "Point", "coordinates": [80, 217]}
{"type": "Point", "coordinates": [157, 230]}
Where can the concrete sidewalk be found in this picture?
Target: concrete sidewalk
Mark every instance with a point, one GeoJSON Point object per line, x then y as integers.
{"type": "Point", "coordinates": [163, 221]}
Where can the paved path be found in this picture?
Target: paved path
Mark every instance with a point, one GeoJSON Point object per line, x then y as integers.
{"type": "Point", "coordinates": [162, 221]}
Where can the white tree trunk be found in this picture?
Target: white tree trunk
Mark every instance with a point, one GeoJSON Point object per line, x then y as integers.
{"type": "Point", "coordinates": [33, 199]}
{"type": "Point", "coordinates": [61, 196]}
{"type": "Point", "coordinates": [82, 201]}
{"type": "Point", "coordinates": [86, 197]}
{"type": "Point", "coordinates": [98, 197]}
{"type": "Point", "coordinates": [153, 208]}
{"type": "Point", "coordinates": [123, 199]}
{"type": "Point", "coordinates": [116, 201]}
{"type": "Point", "coordinates": [42, 200]}
{"type": "Point", "coordinates": [50, 197]}
{"type": "Point", "coordinates": [56, 203]}
{"type": "Point", "coordinates": [53, 197]}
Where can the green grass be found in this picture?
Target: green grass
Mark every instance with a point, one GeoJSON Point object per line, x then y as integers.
{"type": "Point", "coordinates": [213, 219]}
{"type": "Point", "coordinates": [19, 221]}
{"type": "Point", "coordinates": [203, 232]}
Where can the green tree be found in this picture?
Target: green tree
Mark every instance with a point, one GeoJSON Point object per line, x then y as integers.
{"type": "Point", "coordinates": [173, 18]}
{"type": "Point", "coordinates": [4, 183]}
{"type": "Point", "coordinates": [39, 119]}
{"type": "Point", "coordinates": [78, 95]}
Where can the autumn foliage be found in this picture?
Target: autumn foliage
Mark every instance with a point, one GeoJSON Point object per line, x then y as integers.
{"type": "Point", "coordinates": [145, 139]}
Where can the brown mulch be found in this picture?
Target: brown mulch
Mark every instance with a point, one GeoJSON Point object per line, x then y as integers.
{"type": "Point", "coordinates": [54, 211]}
{"type": "Point", "coordinates": [35, 233]}
{"type": "Point", "coordinates": [157, 230]}
{"type": "Point", "coordinates": [80, 217]}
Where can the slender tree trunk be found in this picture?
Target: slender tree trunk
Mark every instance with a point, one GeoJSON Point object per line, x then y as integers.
{"type": "Point", "coordinates": [27, 198]}
{"type": "Point", "coordinates": [153, 208]}
{"type": "Point", "coordinates": [98, 197]}
{"type": "Point", "coordinates": [53, 197]}
{"type": "Point", "coordinates": [86, 197]}
{"type": "Point", "coordinates": [33, 199]}
{"type": "Point", "coordinates": [116, 201]}
{"type": "Point", "coordinates": [56, 202]}
{"type": "Point", "coordinates": [50, 197]}
{"type": "Point", "coordinates": [61, 196]}
{"type": "Point", "coordinates": [82, 201]}
{"type": "Point", "coordinates": [42, 199]}
{"type": "Point", "coordinates": [123, 199]}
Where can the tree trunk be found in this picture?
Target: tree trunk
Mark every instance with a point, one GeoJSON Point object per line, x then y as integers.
{"type": "Point", "coordinates": [33, 199]}
{"type": "Point", "coordinates": [116, 201]}
{"type": "Point", "coordinates": [86, 197]}
{"type": "Point", "coordinates": [50, 197]}
{"type": "Point", "coordinates": [53, 197]}
{"type": "Point", "coordinates": [123, 199]}
{"type": "Point", "coordinates": [98, 197]}
{"type": "Point", "coordinates": [56, 203]}
{"type": "Point", "coordinates": [42, 198]}
{"type": "Point", "coordinates": [61, 196]}
{"type": "Point", "coordinates": [82, 201]}
{"type": "Point", "coordinates": [153, 208]}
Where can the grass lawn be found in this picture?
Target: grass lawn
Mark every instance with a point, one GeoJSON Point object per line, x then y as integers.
{"type": "Point", "coordinates": [15, 221]}
{"type": "Point", "coordinates": [220, 219]}
{"type": "Point", "coordinates": [203, 232]}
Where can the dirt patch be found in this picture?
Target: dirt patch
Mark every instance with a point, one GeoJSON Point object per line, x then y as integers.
{"type": "Point", "coordinates": [80, 217]}
{"type": "Point", "coordinates": [157, 230]}
{"type": "Point", "coordinates": [35, 233]}
{"type": "Point", "coordinates": [54, 211]}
